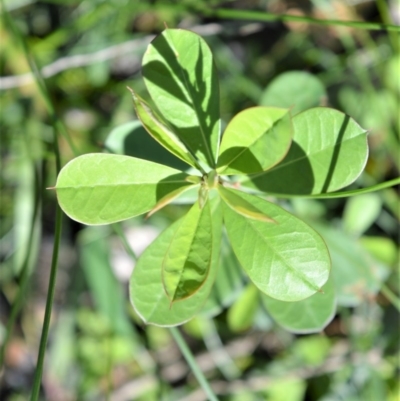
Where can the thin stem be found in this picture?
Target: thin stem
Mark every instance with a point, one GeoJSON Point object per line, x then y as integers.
{"type": "Point", "coordinates": [120, 232]}
{"type": "Point", "coordinates": [264, 16]}
{"type": "Point", "coordinates": [391, 296]}
{"type": "Point", "coordinates": [49, 303]}
{"type": "Point", "coordinates": [58, 127]}
{"type": "Point", "coordinates": [192, 363]}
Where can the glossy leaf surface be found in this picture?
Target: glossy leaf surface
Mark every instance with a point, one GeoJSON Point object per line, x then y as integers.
{"type": "Point", "coordinates": [101, 189]}
{"type": "Point", "coordinates": [255, 140]}
{"type": "Point", "coordinates": [187, 261]}
{"type": "Point", "coordinates": [287, 261]}
{"type": "Point", "coordinates": [307, 316]}
{"type": "Point", "coordinates": [328, 152]}
{"type": "Point", "coordinates": [181, 78]}
{"type": "Point", "coordinates": [147, 292]}
{"type": "Point", "coordinates": [297, 90]}
{"type": "Point", "coordinates": [160, 131]}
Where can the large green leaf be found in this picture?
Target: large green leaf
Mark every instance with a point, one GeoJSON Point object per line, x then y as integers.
{"type": "Point", "coordinates": [160, 131]}
{"type": "Point", "coordinates": [181, 78]}
{"type": "Point", "coordinates": [187, 261]}
{"type": "Point", "coordinates": [101, 189]}
{"type": "Point", "coordinates": [307, 316]}
{"type": "Point", "coordinates": [287, 260]}
{"type": "Point", "coordinates": [298, 90]}
{"type": "Point", "coordinates": [329, 151]}
{"type": "Point", "coordinates": [255, 140]}
{"type": "Point", "coordinates": [147, 292]}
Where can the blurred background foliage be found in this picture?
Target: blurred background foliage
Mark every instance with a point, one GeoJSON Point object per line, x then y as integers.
{"type": "Point", "coordinates": [89, 51]}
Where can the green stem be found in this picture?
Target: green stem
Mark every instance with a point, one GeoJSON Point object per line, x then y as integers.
{"type": "Point", "coordinates": [263, 16]}
{"type": "Point", "coordinates": [49, 303]}
{"type": "Point", "coordinates": [341, 194]}
{"type": "Point", "coordinates": [192, 363]}
{"type": "Point", "coordinates": [391, 296]}
{"type": "Point", "coordinates": [58, 127]}
{"type": "Point", "coordinates": [120, 232]}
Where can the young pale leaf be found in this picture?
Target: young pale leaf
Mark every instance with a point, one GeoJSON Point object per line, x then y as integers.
{"type": "Point", "coordinates": [255, 140]}
{"type": "Point", "coordinates": [236, 202]}
{"type": "Point", "coordinates": [329, 151]}
{"type": "Point", "coordinates": [101, 188]}
{"type": "Point", "coordinates": [147, 292]}
{"type": "Point", "coordinates": [167, 199]}
{"type": "Point", "coordinates": [288, 261]}
{"type": "Point", "coordinates": [159, 130]}
{"type": "Point", "coordinates": [187, 261]}
{"type": "Point", "coordinates": [180, 76]}
{"type": "Point", "coordinates": [298, 90]}
{"type": "Point", "coordinates": [310, 315]}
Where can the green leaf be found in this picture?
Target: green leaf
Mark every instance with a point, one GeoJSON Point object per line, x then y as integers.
{"type": "Point", "coordinates": [360, 212]}
{"type": "Point", "coordinates": [169, 198]}
{"type": "Point", "coordinates": [187, 261]}
{"type": "Point", "coordinates": [233, 199]}
{"type": "Point", "coordinates": [242, 313]}
{"type": "Point", "coordinates": [105, 289]}
{"type": "Point", "coordinates": [329, 151]}
{"type": "Point", "coordinates": [160, 131]}
{"type": "Point", "coordinates": [287, 261]}
{"type": "Point", "coordinates": [307, 316]}
{"type": "Point", "coordinates": [357, 276]}
{"type": "Point", "coordinates": [131, 139]}
{"type": "Point", "coordinates": [298, 90]}
{"type": "Point", "coordinates": [180, 76]}
{"type": "Point", "coordinates": [101, 189]}
{"type": "Point", "coordinates": [147, 292]}
{"type": "Point", "coordinates": [255, 140]}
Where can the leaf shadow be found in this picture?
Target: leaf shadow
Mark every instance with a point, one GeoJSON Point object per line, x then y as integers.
{"type": "Point", "coordinates": [292, 176]}
{"type": "Point", "coordinates": [252, 164]}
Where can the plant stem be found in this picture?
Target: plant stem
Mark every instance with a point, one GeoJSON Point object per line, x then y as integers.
{"type": "Point", "coordinates": [264, 16]}
{"type": "Point", "coordinates": [49, 303]}
{"type": "Point", "coordinates": [192, 363]}
{"type": "Point", "coordinates": [391, 296]}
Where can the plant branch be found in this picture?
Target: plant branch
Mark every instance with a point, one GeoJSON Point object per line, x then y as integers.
{"type": "Point", "coordinates": [269, 17]}
{"type": "Point", "coordinates": [187, 353]}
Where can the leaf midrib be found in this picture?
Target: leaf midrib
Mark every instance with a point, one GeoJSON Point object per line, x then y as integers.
{"type": "Point", "coordinates": [120, 185]}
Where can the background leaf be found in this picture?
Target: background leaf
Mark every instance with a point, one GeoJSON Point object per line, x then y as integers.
{"type": "Point", "coordinates": [181, 78]}
{"type": "Point", "coordinates": [287, 261]}
{"type": "Point", "coordinates": [255, 140]}
{"type": "Point", "coordinates": [187, 261]}
{"type": "Point", "coordinates": [297, 90]}
{"type": "Point", "coordinates": [328, 152]}
{"type": "Point", "coordinates": [147, 293]}
{"type": "Point", "coordinates": [360, 212]}
{"type": "Point", "coordinates": [101, 189]}
{"type": "Point", "coordinates": [310, 315]}
{"type": "Point", "coordinates": [357, 276]}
